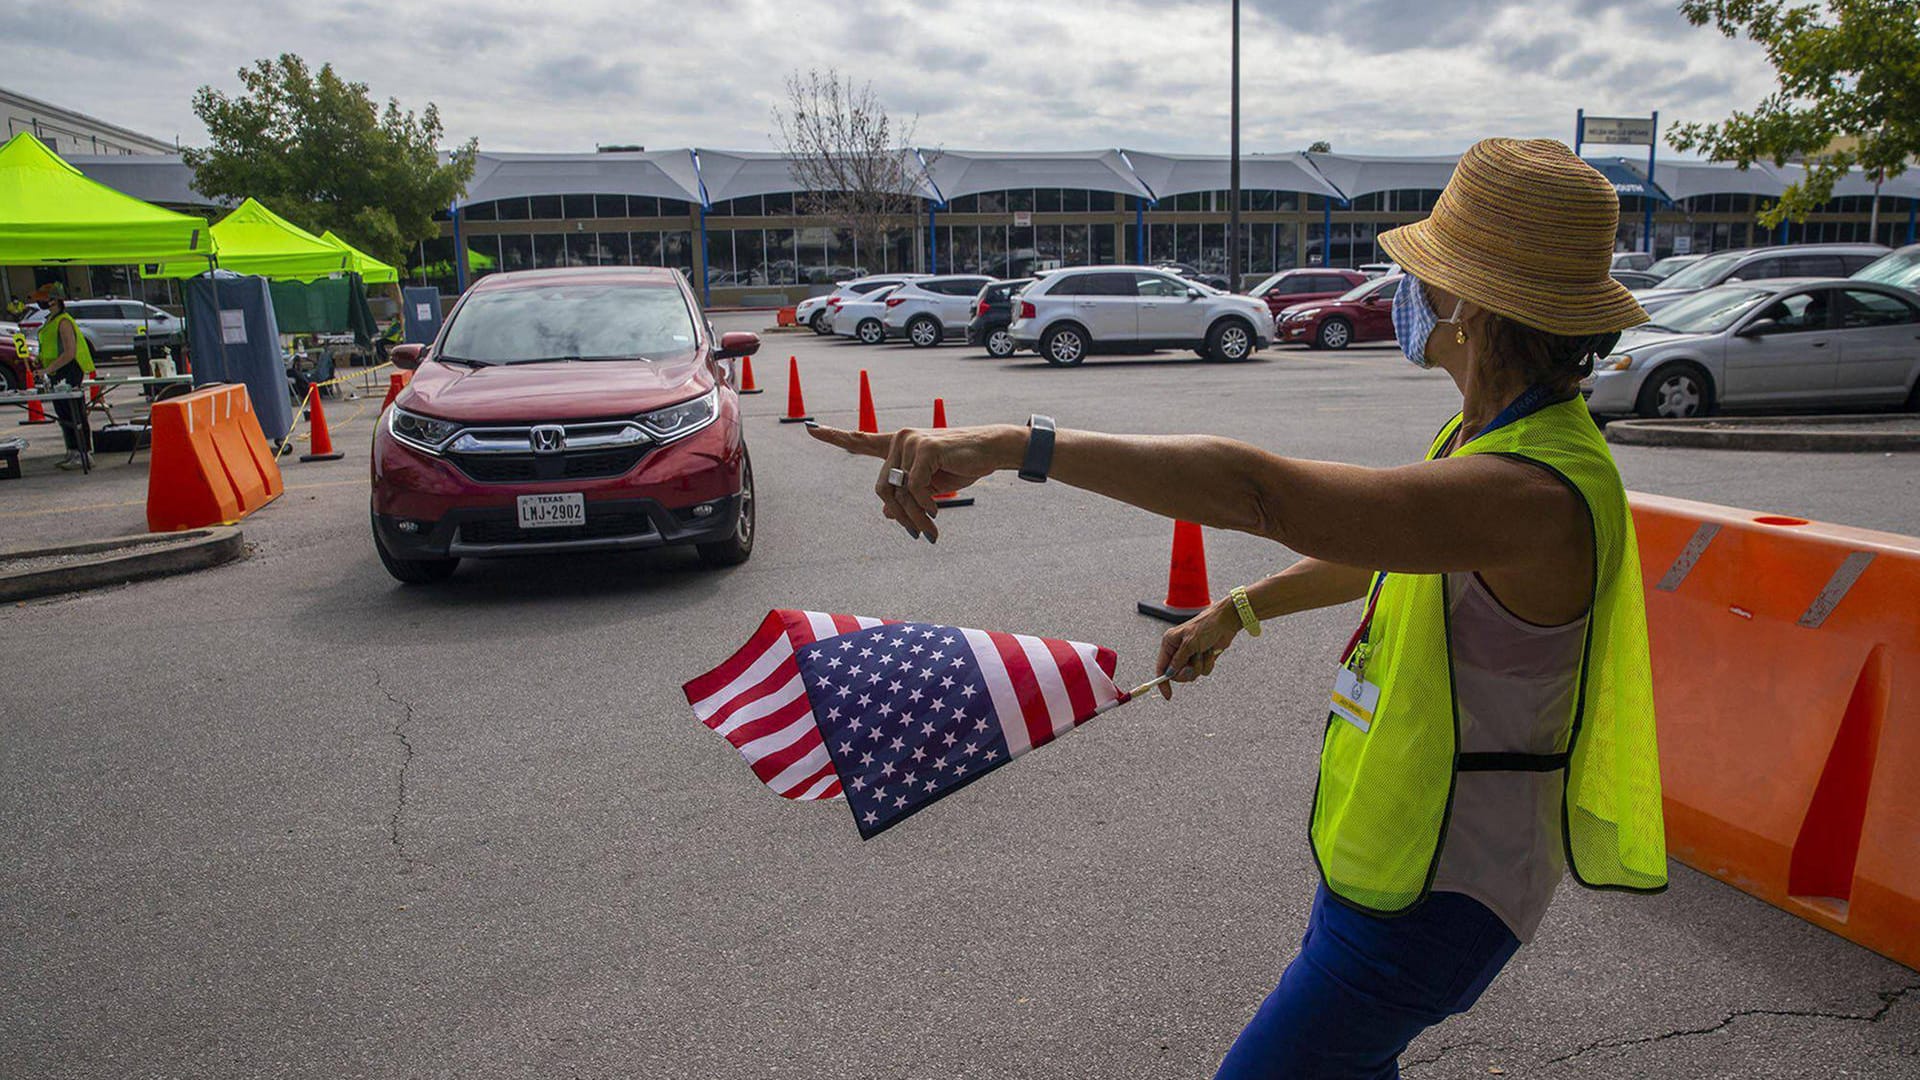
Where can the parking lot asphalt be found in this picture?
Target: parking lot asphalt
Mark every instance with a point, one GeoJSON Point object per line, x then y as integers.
{"type": "Point", "coordinates": [286, 818]}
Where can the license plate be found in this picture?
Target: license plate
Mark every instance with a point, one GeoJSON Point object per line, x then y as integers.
{"type": "Point", "coordinates": [552, 511]}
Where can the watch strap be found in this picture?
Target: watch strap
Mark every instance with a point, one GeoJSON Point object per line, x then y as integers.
{"type": "Point", "coordinates": [1039, 459]}
{"type": "Point", "coordinates": [1242, 604]}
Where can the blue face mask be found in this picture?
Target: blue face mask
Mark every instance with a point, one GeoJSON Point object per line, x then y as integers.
{"type": "Point", "coordinates": [1414, 320]}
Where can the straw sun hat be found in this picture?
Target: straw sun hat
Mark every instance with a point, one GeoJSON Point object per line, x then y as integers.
{"type": "Point", "coordinates": [1525, 229]}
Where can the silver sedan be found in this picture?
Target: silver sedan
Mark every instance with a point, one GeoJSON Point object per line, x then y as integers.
{"type": "Point", "coordinates": [1789, 343]}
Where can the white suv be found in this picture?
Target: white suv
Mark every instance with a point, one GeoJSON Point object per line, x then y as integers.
{"type": "Point", "coordinates": [930, 310]}
{"type": "Point", "coordinates": [816, 312]}
{"type": "Point", "coordinates": [1070, 313]}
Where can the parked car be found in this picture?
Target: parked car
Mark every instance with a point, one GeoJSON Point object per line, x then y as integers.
{"type": "Point", "coordinates": [1673, 264]}
{"type": "Point", "coordinates": [1363, 313]}
{"type": "Point", "coordinates": [1290, 287]}
{"type": "Point", "coordinates": [860, 318]}
{"type": "Point", "coordinates": [13, 366]}
{"type": "Point", "coordinates": [1760, 264]}
{"type": "Point", "coordinates": [115, 326]}
{"type": "Point", "coordinates": [1632, 260]}
{"type": "Point", "coordinates": [1070, 313]}
{"type": "Point", "coordinates": [1379, 270]}
{"type": "Point", "coordinates": [816, 312]}
{"type": "Point", "coordinates": [1635, 279]}
{"type": "Point", "coordinates": [1191, 273]}
{"type": "Point", "coordinates": [992, 312]}
{"type": "Point", "coordinates": [559, 411]}
{"type": "Point", "coordinates": [1782, 343]}
{"type": "Point", "coordinates": [929, 310]}
{"type": "Point", "coordinates": [1898, 267]}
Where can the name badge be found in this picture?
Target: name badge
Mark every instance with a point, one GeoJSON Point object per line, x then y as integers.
{"type": "Point", "coordinates": [1354, 699]}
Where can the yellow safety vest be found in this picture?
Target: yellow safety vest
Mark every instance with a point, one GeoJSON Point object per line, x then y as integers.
{"type": "Point", "coordinates": [1385, 794]}
{"type": "Point", "coordinates": [50, 344]}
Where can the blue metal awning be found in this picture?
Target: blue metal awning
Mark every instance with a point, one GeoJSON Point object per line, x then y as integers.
{"type": "Point", "coordinates": [1628, 178]}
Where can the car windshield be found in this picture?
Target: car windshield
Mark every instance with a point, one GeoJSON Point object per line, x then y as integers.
{"type": "Point", "coordinates": [1366, 288]}
{"type": "Point", "coordinates": [1671, 265]}
{"type": "Point", "coordinates": [1710, 310]}
{"type": "Point", "coordinates": [1703, 273]}
{"type": "Point", "coordinates": [570, 321]}
{"type": "Point", "coordinates": [1900, 268]}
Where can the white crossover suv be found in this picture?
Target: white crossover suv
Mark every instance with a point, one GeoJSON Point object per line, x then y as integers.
{"type": "Point", "coordinates": [1070, 313]}
{"type": "Point", "coordinates": [816, 312]}
{"type": "Point", "coordinates": [930, 310]}
{"type": "Point", "coordinates": [859, 318]}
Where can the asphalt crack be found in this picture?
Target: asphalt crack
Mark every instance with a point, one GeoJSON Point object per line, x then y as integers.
{"type": "Point", "coordinates": [399, 731]}
{"type": "Point", "coordinates": [1449, 1048]}
{"type": "Point", "coordinates": [1888, 999]}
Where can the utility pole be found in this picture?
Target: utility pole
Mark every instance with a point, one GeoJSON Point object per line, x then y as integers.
{"type": "Point", "coordinates": [1233, 167]}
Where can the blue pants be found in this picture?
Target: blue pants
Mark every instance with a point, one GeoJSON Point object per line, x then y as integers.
{"type": "Point", "coordinates": [1362, 987]}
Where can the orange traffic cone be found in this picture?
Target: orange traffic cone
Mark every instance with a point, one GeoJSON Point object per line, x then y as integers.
{"type": "Point", "coordinates": [746, 377]}
{"type": "Point", "coordinates": [93, 395]}
{"type": "Point", "coordinates": [320, 446]}
{"type": "Point", "coordinates": [36, 412]}
{"type": "Point", "coordinates": [945, 499]}
{"type": "Point", "coordinates": [869, 422]}
{"type": "Point", "coordinates": [796, 405]}
{"type": "Point", "coordinates": [396, 382]}
{"type": "Point", "coordinates": [1186, 577]}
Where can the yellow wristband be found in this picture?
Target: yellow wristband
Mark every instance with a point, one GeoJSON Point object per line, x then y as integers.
{"type": "Point", "coordinates": [1248, 620]}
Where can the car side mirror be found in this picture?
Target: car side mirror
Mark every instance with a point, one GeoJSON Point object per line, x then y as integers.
{"type": "Point", "coordinates": [407, 357]}
{"type": "Point", "coordinates": [1193, 293]}
{"type": "Point", "coordinates": [1759, 327]}
{"type": "Point", "coordinates": [1735, 280]}
{"type": "Point", "coordinates": [737, 343]}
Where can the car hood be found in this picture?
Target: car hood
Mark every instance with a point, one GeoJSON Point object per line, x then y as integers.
{"type": "Point", "coordinates": [564, 390]}
{"type": "Point", "coordinates": [1644, 295]}
{"type": "Point", "coordinates": [1642, 340]}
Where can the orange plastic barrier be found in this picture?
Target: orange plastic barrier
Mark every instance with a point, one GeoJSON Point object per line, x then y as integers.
{"type": "Point", "coordinates": [785, 317]}
{"type": "Point", "coordinates": [1786, 667]}
{"type": "Point", "coordinates": [210, 462]}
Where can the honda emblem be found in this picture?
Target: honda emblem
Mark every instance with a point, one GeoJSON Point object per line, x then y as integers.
{"type": "Point", "coordinates": [548, 439]}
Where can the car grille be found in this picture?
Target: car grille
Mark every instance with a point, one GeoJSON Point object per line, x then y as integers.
{"type": "Point", "coordinates": [577, 465]}
{"type": "Point", "coordinates": [601, 525]}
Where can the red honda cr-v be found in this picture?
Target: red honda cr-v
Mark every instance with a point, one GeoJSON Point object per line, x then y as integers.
{"type": "Point", "coordinates": [561, 411]}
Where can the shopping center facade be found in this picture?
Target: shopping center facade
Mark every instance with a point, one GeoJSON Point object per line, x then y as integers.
{"type": "Point", "coordinates": [735, 221]}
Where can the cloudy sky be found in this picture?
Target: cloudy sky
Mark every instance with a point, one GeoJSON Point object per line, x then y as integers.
{"type": "Point", "coordinates": [1385, 76]}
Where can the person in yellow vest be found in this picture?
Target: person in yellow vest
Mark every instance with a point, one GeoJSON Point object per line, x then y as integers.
{"type": "Point", "coordinates": [1490, 723]}
{"type": "Point", "coordinates": [68, 361]}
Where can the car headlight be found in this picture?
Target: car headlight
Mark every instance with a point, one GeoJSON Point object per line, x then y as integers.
{"type": "Point", "coordinates": [424, 432]}
{"type": "Point", "coordinates": [677, 421]}
{"type": "Point", "coordinates": [1616, 362]}
{"type": "Point", "coordinates": [1303, 316]}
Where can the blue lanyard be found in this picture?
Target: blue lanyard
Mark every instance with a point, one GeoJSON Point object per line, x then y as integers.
{"type": "Point", "coordinates": [1535, 398]}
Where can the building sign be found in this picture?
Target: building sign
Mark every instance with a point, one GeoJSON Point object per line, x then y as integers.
{"type": "Point", "coordinates": [1682, 243]}
{"type": "Point", "coordinates": [1618, 130]}
{"type": "Point", "coordinates": [1022, 219]}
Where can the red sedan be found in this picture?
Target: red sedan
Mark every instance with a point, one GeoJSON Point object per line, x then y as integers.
{"type": "Point", "coordinates": [1363, 314]}
{"type": "Point", "coordinates": [1297, 286]}
{"type": "Point", "coordinates": [563, 411]}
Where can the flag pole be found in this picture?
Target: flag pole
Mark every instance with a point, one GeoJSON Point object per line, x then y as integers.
{"type": "Point", "coordinates": [1134, 693]}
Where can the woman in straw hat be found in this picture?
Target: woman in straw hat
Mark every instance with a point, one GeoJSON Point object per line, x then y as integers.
{"type": "Point", "coordinates": [1490, 723]}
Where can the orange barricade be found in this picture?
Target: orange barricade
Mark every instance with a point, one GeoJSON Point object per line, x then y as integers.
{"type": "Point", "coordinates": [785, 317]}
{"type": "Point", "coordinates": [210, 462]}
{"type": "Point", "coordinates": [1791, 766]}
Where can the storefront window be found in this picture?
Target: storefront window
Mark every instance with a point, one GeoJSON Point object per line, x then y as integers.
{"type": "Point", "coordinates": [547, 207]}
{"type": "Point", "coordinates": [483, 256]}
{"type": "Point", "coordinates": [485, 211]}
{"type": "Point", "coordinates": [1073, 245]}
{"type": "Point", "coordinates": [516, 253]}
{"type": "Point", "coordinates": [1076, 200]}
{"type": "Point", "coordinates": [549, 249]}
{"type": "Point", "coordinates": [963, 250]}
{"type": "Point", "coordinates": [577, 206]}
{"type": "Point", "coordinates": [993, 250]}
{"type": "Point", "coordinates": [512, 210]}
{"type": "Point", "coordinates": [750, 257]}
{"type": "Point", "coordinates": [1046, 200]}
{"type": "Point", "coordinates": [644, 248]}
{"type": "Point", "coordinates": [610, 206]}
{"type": "Point", "coordinates": [1100, 238]}
{"type": "Point", "coordinates": [900, 257]}
{"type": "Point", "coordinates": [811, 254]}
{"type": "Point", "coordinates": [676, 250]}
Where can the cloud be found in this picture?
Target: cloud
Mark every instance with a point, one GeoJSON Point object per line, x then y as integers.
{"type": "Point", "coordinates": [1386, 76]}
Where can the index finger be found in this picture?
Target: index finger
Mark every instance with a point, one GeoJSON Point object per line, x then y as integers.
{"type": "Point", "coordinates": [853, 442]}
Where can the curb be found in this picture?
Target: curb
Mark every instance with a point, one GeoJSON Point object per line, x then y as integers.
{"type": "Point", "coordinates": [153, 555]}
{"type": "Point", "coordinates": [1888, 433]}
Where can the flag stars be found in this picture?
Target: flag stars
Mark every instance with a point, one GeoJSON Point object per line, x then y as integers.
{"type": "Point", "coordinates": [859, 784]}
{"type": "Point", "coordinates": [949, 739]}
{"type": "Point", "coordinates": [899, 802]}
{"type": "Point", "coordinates": [937, 705]}
{"type": "Point", "coordinates": [834, 662]}
{"type": "Point", "coordinates": [906, 665]}
{"type": "Point", "coordinates": [884, 709]}
{"type": "Point", "coordinates": [864, 653]}
{"type": "Point", "coordinates": [968, 692]}
{"type": "Point", "coordinates": [873, 732]}
{"type": "Point", "coordinates": [926, 729]}
{"type": "Point", "coordinates": [946, 682]}
{"type": "Point", "coordinates": [938, 656]}
{"type": "Point", "coordinates": [854, 672]}
{"type": "Point", "coordinates": [992, 753]}
{"type": "Point", "coordinates": [915, 696]}
{"type": "Point", "coordinates": [930, 785]}
{"type": "Point", "coordinates": [897, 744]}
{"type": "Point", "coordinates": [919, 754]}
{"type": "Point", "coordinates": [886, 769]}
{"type": "Point", "coordinates": [899, 642]}
{"type": "Point", "coordinates": [972, 749]}
{"type": "Point", "coordinates": [864, 701]}
{"type": "Point", "coordinates": [906, 719]}
{"type": "Point", "coordinates": [845, 645]}
{"type": "Point", "coordinates": [917, 649]}
{"type": "Point", "coordinates": [866, 758]}
{"type": "Point", "coordinates": [979, 725]}
{"type": "Point", "coordinates": [926, 673]}
{"type": "Point", "coordinates": [909, 779]}
{"type": "Point", "coordinates": [940, 763]}
{"type": "Point", "coordinates": [843, 692]}
{"type": "Point", "coordinates": [926, 633]}
{"type": "Point", "coordinates": [846, 748]}
{"type": "Point", "coordinates": [894, 688]}
{"type": "Point", "coordinates": [870, 817]}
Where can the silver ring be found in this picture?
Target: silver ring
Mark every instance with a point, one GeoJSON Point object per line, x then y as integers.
{"type": "Point", "coordinates": [897, 477]}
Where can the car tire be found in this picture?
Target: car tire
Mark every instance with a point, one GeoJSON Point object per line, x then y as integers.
{"type": "Point", "coordinates": [1675, 391]}
{"type": "Point", "coordinates": [413, 571]}
{"type": "Point", "coordinates": [1230, 340]}
{"type": "Point", "coordinates": [1335, 333]}
{"type": "Point", "coordinates": [1064, 345]}
{"type": "Point", "coordinates": [1000, 344]}
{"type": "Point", "coordinates": [737, 548]}
{"type": "Point", "coordinates": [924, 332]}
{"type": "Point", "coordinates": [819, 323]}
{"type": "Point", "coordinates": [870, 332]}
{"type": "Point", "coordinates": [6, 379]}
{"type": "Point", "coordinates": [1913, 398]}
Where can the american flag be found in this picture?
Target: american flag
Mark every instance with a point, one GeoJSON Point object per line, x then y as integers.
{"type": "Point", "coordinates": [893, 715]}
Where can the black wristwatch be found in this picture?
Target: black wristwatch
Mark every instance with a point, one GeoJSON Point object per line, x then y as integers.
{"type": "Point", "coordinates": [1039, 459]}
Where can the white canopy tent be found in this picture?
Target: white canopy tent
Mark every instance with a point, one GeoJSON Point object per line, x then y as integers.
{"type": "Point", "coordinates": [1363, 174]}
{"type": "Point", "coordinates": [1170, 174]}
{"type": "Point", "coordinates": [661, 173]}
{"type": "Point", "coordinates": [741, 174]}
{"type": "Point", "coordinates": [956, 173]}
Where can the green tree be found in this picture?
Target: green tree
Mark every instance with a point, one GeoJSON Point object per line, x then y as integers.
{"type": "Point", "coordinates": [317, 150]}
{"type": "Point", "coordinates": [1320, 146]}
{"type": "Point", "coordinates": [1849, 92]}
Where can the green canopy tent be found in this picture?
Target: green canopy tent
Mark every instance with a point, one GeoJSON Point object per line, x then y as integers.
{"type": "Point", "coordinates": [255, 240]}
{"type": "Point", "coordinates": [371, 270]}
{"type": "Point", "coordinates": [51, 213]}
